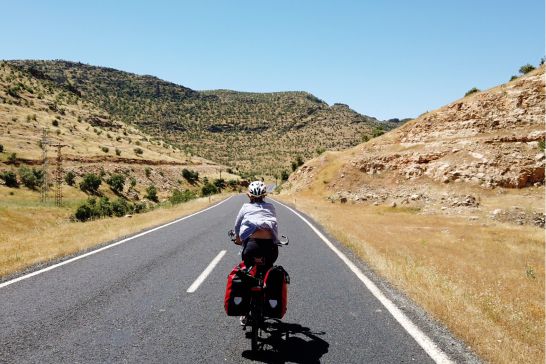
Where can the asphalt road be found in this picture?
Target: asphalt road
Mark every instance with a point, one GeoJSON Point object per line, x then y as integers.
{"type": "Point", "coordinates": [129, 304]}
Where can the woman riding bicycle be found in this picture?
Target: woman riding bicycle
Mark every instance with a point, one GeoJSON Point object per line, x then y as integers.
{"type": "Point", "coordinates": [256, 227]}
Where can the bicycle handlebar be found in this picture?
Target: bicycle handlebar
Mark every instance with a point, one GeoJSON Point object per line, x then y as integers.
{"type": "Point", "coordinates": [283, 241]}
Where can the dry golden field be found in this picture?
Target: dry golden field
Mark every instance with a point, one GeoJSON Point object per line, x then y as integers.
{"type": "Point", "coordinates": [485, 282]}
{"type": "Point", "coordinates": [32, 233]}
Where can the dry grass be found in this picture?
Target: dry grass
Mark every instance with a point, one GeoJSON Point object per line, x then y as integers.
{"type": "Point", "coordinates": [486, 283]}
{"type": "Point", "coordinates": [32, 233]}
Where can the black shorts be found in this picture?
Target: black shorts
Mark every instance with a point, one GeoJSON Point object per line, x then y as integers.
{"type": "Point", "coordinates": [260, 248]}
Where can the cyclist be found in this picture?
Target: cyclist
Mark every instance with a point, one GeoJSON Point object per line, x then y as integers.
{"type": "Point", "coordinates": [256, 227]}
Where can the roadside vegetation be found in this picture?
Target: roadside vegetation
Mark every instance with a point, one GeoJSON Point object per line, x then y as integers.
{"type": "Point", "coordinates": [475, 279]}
{"type": "Point", "coordinates": [35, 233]}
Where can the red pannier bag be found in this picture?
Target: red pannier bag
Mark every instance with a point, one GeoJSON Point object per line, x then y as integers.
{"type": "Point", "coordinates": [237, 298]}
{"type": "Point", "coordinates": [276, 292]}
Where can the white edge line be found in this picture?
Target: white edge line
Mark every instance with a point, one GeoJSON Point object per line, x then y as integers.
{"type": "Point", "coordinates": [206, 272]}
{"type": "Point", "coordinates": [420, 337]}
{"type": "Point", "coordinates": [15, 280]}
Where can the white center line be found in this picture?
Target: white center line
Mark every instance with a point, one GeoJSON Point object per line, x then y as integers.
{"type": "Point", "coordinates": [206, 272]}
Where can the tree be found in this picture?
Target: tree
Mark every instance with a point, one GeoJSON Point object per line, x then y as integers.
{"type": "Point", "coordinates": [220, 183]}
{"type": "Point", "coordinates": [10, 179]}
{"type": "Point", "coordinates": [284, 175]}
{"type": "Point", "coordinates": [31, 178]}
{"type": "Point", "coordinates": [151, 193]}
{"type": "Point", "coordinates": [471, 91]}
{"type": "Point", "coordinates": [526, 68]}
{"type": "Point", "coordinates": [190, 176]}
{"type": "Point", "coordinates": [181, 196]}
{"type": "Point", "coordinates": [70, 178]}
{"type": "Point", "coordinates": [209, 189]}
{"type": "Point", "coordinates": [116, 182]}
{"type": "Point", "coordinates": [90, 183]}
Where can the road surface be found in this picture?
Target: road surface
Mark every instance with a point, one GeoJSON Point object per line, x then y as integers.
{"type": "Point", "coordinates": [129, 303]}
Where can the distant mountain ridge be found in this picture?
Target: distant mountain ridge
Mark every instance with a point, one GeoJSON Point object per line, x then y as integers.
{"type": "Point", "coordinates": [254, 132]}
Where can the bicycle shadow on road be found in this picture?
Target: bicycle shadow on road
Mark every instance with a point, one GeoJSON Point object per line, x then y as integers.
{"type": "Point", "coordinates": [301, 346]}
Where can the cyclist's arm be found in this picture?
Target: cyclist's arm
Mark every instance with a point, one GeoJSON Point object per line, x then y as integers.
{"type": "Point", "coordinates": [237, 227]}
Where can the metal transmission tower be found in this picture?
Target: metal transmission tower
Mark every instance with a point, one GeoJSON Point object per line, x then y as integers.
{"type": "Point", "coordinates": [45, 183]}
{"type": "Point", "coordinates": [58, 174]}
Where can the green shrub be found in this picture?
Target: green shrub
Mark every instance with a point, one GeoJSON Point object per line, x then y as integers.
{"type": "Point", "coordinates": [12, 158]}
{"type": "Point", "coordinates": [93, 209]}
{"type": "Point", "coordinates": [526, 68]}
{"type": "Point", "coordinates": [105, 149]}
{"type": "Point", "coordinates": [116, 182]}
{"type": "Point", "coordinates": [181, 196]}
{"type": "Point", "coordinates": [377, 132]}
{"type": "Point", "coordinates": [233, 184]}
{"type": "Point", "coordinates": [1, 148]}
{"type": "Point", "coordinates": [10, 179]}
{"type": "Point", "coordinates": [132, 182]}
{"type": "Point", "coordinates": [513, 78]}
{"type": "Point", "coordinates": [120, 207]}
{"type": "Point", "coordinates": [209, 189]}
{"type": "Point", "coordinates": [190, 176]}
{"type": "Point", "coordinates": [471, 91]}
{"type": "Point", "coordinates": [147, 172]}
{"type": "Point", "coordinates": [284, 175]}
{"type": "Point", "coordinates": [118, 152]}
{"type": "Point", "coordinates": [541, 145]}
{"type": "Point", "coordinates": [220, 183]}
{"type": "Point", "coordinates": [55, 122]}
{"type": "Point", "coordinates": [90, 183]}
{"type": "Point", "coordinates": [31, 178]}
{"type": "Point", "coordinates": [151, 193]}
{"type": "Point", "coordinates": [138, 151]}
{"type": "Point", "coordinates": [84, 212]}
{"type": "Point", "coordinates": [70, 178]}
{"type": "Point", "coordinates": [139, 207]}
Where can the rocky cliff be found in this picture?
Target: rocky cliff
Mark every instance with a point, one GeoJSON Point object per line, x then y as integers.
{"type": "Point", "coordinates": [491, 140]}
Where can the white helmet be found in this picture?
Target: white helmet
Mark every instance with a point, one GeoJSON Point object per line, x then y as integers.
{"type": "Point", "coordinates": [257, 189]}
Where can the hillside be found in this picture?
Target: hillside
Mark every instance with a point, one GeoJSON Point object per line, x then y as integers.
{"type": "Point", "coordinates": [95, 140]}
{"type": "Point", "coordinates": [449, 208]}
{"type": "Point", "coordinates": [255, 132]}
{"type": "Point", "coordinates": [451, 157]}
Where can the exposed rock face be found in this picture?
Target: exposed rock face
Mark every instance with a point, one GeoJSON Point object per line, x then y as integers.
{"type": "Point", "coordinates": [447, 160]}
{"type": "Point", "coordinates": [489, 139]}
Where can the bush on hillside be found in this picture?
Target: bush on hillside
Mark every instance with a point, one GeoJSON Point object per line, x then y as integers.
{"type": "Point", "coordinates": [70, 178]}
{"type": "Point", "coordinates": [514, 77]}
{"type": "Point", "coordinates": [181, 196]}
{"type": "Point", "coordinates": [12, 158]}
{"type": "Point", "coordinates": [377, 132]}
{"type": "Point", "coordinates": [471, 91]}
{"type": "Point", "coordinates": [116, 182]}
{"type": "Point", "coordinates": [90, 183]}
{"type": "Point", "coordinates": [284, 175]}
{"type": "Point", "coordinates": [138, 151]}
{"type": "Point", "coordinates": [190, 176]}
{"type": "Point", "coordinates": [220, 183]}
{"type": "Point", "coordinates": [93, 209]}
{"type": "Point", "coordinates": [9, 178]}
{"type": "Point", "coordinates": [233, 184]}
{"type": "Point", "coordinates": [1, 148]}
{"type": "Point", "coordinates": [31, 178]}
{"type": "Point", "coordinates": [151, 193]}
{"type": "Point", "coordinates": [526, 68]}
{"type": "Point", "coordinates": [209, 189]}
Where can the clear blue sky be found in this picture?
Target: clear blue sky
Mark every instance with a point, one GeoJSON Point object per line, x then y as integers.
{"type": "Point", "coordinates": [384, 58]}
